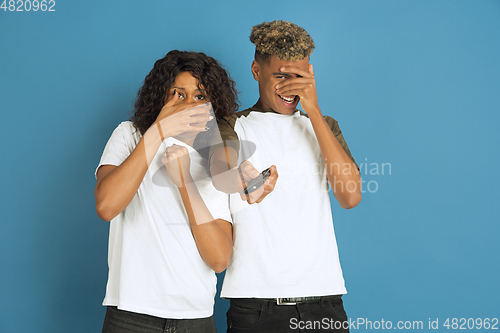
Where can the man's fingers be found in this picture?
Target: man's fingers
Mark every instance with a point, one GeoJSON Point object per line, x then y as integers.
{"type": "Point", "coordinates": [255, 195]}
{"type": "Point", "coordinates": [251, 197]}
{"type": "Point", "coordinates": [248, 171]}
{"type": "Point", "coordinates": [262, 196]}
{"type": "Point", "coordinates": [258, 195]}
{"type": "Point", "coordinates": [294, 80]}
{"type": "Point", "coordinates": [272, 179]}
{"type": "Point", "coordinates": [269, 184]}
{"type": "Point", "coordinates": [293, 89]}
{"type": "Point", "coordinates": [296, 70]}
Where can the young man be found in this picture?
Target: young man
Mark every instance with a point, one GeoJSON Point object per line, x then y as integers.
{"type": "Point", "coordinates": [285, 272]}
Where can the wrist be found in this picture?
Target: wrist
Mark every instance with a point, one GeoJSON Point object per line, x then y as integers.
{"type": "Point", "coordinates": [160, 131]}
{"type": "Point", "coordinates": [314, 112]}
{"type": "Point", "coordinates": [187, 185]}
{"type": "Point", "coordinates": [151, 139]}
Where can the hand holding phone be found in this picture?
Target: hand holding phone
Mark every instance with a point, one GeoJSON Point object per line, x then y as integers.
{"type": "Point", "coordinates": [255, 183]}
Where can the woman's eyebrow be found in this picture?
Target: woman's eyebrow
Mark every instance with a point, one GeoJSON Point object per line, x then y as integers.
{"type": "Point", "coordinates": [181, 88]}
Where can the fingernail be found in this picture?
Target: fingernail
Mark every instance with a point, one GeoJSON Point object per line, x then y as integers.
{"type": "Point", "coordinates": [175, 90]}
{"type": "Point", "coordinates": [277, 86]}
{"type": "Point", "coordinates": [282, 69]}
{"type": "Point", "coordinates": [255, 173]}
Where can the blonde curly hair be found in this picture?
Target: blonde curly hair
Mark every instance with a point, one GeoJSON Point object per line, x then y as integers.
{"type": "Point", "coordinates": [285, 40]}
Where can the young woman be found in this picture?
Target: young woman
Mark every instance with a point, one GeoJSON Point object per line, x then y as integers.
{"type": "Point", "coordinates": [170, 229]}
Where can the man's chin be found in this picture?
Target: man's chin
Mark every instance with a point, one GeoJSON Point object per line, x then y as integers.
{"type": "Point", "coordinates": [285, 111]}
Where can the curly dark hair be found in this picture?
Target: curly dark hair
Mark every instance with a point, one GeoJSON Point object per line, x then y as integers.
{"type": "Point", "coordinates": [283, 39]}
{"type": "Point", "coordinates": [220, 88]}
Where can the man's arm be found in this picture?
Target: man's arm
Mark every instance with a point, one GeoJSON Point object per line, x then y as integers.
{"type": "Point", "coordinates": [341, 171]}
{"type": "Point", "coordinates": [230, 178]}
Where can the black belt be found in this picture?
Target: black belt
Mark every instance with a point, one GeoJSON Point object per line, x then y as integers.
{"type": "Point", "coordinates": [292, 300]}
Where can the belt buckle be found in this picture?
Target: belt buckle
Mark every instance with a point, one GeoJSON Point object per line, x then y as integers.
{"type": "Point", "coordinates": [281, 301]}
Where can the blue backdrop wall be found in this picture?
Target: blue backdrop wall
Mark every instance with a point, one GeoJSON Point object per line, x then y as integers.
{"type": "Point", "coordinates": [415, 86]}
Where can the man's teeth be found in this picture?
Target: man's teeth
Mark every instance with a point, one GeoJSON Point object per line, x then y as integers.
{"type": "Point", "coordinates": [287, 99]}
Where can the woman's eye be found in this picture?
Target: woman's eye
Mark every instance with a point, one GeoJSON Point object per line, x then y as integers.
{"type": "Point", "coordinates": [200, 97]}
{"type": "Point", "coordinates": [181, 95]}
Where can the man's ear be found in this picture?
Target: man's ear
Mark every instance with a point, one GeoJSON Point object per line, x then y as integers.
{"type": "Point", "coordinates": [255, 70]}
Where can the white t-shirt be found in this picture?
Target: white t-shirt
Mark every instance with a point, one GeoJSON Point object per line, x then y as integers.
{"type": "Point", "coordinates": [284, 246]}
{"type": "Point", "coordinates": [154, 265]}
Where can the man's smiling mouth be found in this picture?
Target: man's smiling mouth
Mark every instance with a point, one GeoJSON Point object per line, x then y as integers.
{"type": "Point", "coordinates": [289, 99]}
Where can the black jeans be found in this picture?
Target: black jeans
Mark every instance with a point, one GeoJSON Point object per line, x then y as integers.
{"type": "Point", "coordinates": [120, 321]}
{"type": "Point", "coordinates": [250, 315]}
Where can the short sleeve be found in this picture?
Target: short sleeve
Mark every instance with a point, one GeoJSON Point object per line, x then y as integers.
{"type": "Point", "coordinates": [218, 204]}
{"type": "Point", "coordinates": [118, 147]}
{"type": "Point", "coordinates": [334, 126]}
{"type": "Point", "coordinates": [228, 136]}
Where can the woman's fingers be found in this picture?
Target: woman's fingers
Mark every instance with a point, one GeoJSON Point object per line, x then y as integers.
{"type": "Point", "coordinates": [195, 116]}
{"type": "Point", "coordinates": [185, 117]}
{"type": "Point", "coordinates": [176, 160]}
{"type": "Point", "coordinates": [187, 109]}
{"type": "Point", "coordinates": [199, 122]}
{"type": "Point", "coordinates": [194, 107]}
{"type": "Point", "coordinates": [174, 153]}
{"type": "Point", "coordinates": [173, 100]}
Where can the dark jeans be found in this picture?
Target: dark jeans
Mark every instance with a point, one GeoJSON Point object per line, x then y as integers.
{"type": "Point", "coordinates": [120, 321]}
{"type": "Point", "coordinates": [260, 315]}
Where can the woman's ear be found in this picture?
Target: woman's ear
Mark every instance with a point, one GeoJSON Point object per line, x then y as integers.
{"type": "Point", "coordinates": [255, 70]}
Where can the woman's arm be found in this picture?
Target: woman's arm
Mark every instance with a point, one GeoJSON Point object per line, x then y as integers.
{"type": "Point", "coordinates": [214, 238]}
{"type": "Point", "coordinates": [117, 185]}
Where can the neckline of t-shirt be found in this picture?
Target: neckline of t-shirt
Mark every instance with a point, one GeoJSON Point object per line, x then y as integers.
{"type": "Point", "coordinates": [176, 142]}
{"type": "Point", "coordinates": [264, 110]}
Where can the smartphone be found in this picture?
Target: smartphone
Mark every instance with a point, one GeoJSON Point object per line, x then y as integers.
{"type": "Point", "coordinates": [257, 182]}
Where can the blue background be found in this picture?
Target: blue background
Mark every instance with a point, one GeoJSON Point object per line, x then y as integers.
{"type": "Point", "coordinates": [412, 83]}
